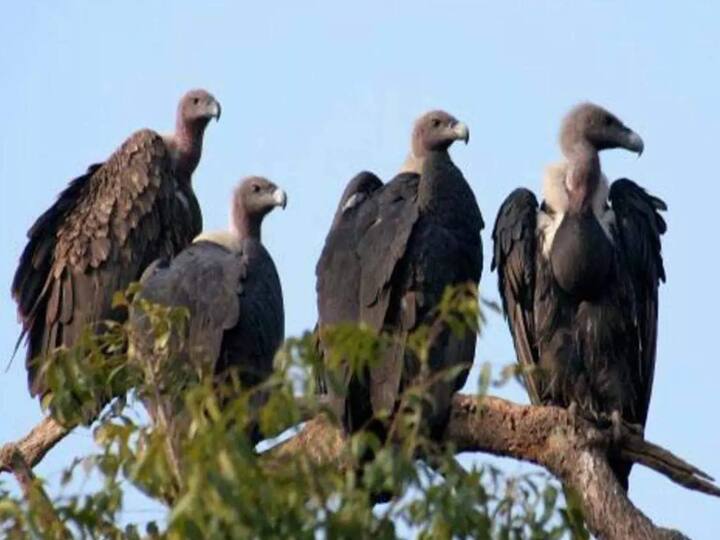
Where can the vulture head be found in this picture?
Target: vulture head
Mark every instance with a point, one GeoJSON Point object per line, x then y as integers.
{"type": "Point", "coordinates": [197, 108]}
{"type": "Point", "coordinates": [437, 130]}
{"type": "Point", "coordinates": [253, 199]}
{"type": "Point", "coordinates": [591, 124]}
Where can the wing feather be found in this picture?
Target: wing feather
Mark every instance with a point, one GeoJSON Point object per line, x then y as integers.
{"type": "Point", "coordinates": [639, 227]}
{"type": "Point", "coordinates": [515, 245]}
{"type": "Point", "coordinates": [94, 240]}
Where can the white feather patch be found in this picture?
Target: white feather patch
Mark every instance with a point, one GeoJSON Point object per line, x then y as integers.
{"type": "Point", "coordinates": [223, 238]}
{"type": "Point", "coordinates": [556, 198]}
{"type": "Point", "coordinates": [412, 164]}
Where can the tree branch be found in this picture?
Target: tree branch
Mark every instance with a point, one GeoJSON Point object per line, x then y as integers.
{"type": "Point", "coordinates": [33, 446]}
{"type": "Point", "coordinates": [47, 519]}
{"type": "Point", "coordinates": [571, 448]}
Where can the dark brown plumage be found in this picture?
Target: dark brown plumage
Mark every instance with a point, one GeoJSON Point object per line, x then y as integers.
{"type": "Point", "coordinates": [229, 284]}
{"type": "Point", "coordinates": [104, 229]}
{"type": "Point", "coordinates": [579, 279]}
{"type": "Point", "coordinates": [386, 262]}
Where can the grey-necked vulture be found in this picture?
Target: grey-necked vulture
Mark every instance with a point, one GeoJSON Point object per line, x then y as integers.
{"type": "Point", "coordinates": [105, 228]}
{"type": "Point", "coordinates": [390, 254]}
{"type": "Point", "coordinates": [579, 277]}
{"type": "Point", "coordinates": [229, 284]}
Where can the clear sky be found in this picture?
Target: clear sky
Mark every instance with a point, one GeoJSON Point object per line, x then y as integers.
{"type": "Point", "coordinates": [313, 92]}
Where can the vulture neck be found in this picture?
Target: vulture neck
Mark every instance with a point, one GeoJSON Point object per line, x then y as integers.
{"type": "Point", "coordinates": [187, 142]}
{"type": "Point", "coordinates": [246, 226]}
{"type": "Point", "coordinates": [439, 186]}
{"type": "Point", "coordinates": [583, 176]}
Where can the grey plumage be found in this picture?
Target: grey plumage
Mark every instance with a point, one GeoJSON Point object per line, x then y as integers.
{"type": "Point", "coordinates": [230, 286]}
{"type": "Point", "coordinates": [579, 276]}
{"type": "Point", "coordinates": [104, 229]}
{"type": "Point", "coordinates": [386, 263]}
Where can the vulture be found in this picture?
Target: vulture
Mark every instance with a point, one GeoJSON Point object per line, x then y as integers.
{"type": "Point", "coordinates": [104, 229]}
{"type": "Point", "coordinates": [229, 284]}
{"type": "Point", "coordinates": [391, 251]}
{"type": "Point", "coordinates": [579, 276]}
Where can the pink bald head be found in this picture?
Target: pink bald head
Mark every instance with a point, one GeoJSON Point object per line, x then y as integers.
{"type": "Point", "coordinates": [196, 109]}
{"type": "Point", "coordinates": [194, 112]}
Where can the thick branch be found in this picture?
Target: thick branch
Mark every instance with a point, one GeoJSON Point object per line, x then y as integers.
{"type": "Point", "coordinates": [571, 449]}
{"type": "Point", "coordinates": [33, 446]}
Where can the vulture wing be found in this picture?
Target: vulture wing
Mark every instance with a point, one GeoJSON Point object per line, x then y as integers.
{"type": "Point", "coordinates": [338, 269]}
{"type": "Point", "coordinates": [639, 226]}
{"type": "Point", "coordinates": [236, 313]}
{"type": "Point", "coordinates": [383, 244]}
{"type": "Point", "coordinates": [251, 344]}
{"type": "Point", "coordinates": [104, 229]}
{"type": "Point", "coordinates": [515, 242]}
{"type": "Point", "coordinates": [205, 278]}
{"type": "Point", "coordinates": [338, 274]}
{"type": "Point", "coordinates": [442, 249]}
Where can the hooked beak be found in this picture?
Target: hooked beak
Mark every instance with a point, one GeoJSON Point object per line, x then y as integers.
{"type": "Point", "coordinates": [215, 110]}
{"type": "Point", "coordinates": [461, 132]}
{"type": "Point", "coordinates": [633, 142]}
{"type": "Point", "coordinates": [280, 198]}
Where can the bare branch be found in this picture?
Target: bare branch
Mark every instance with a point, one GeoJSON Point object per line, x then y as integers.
{"type": "Point", "coordinates": [572, 449]}
{"type": "Point", "coordinates": [33, 446]}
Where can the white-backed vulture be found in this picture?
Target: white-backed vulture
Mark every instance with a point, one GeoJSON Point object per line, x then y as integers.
{"type": "Point", "coordinates": [390, 254]}
{"type": "Point", "coordinates": [579, 278]}
{"type": "Point", "coordinates": [103, 231]}
{"type": "Point", "coordinates": [228, 282]}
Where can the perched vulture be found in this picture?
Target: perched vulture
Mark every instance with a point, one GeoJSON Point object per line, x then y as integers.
{"type": "Point", "coordinates": [103, 231]}
{"type": "Point", "coordinates": [579, 279]}
{"type": "Point", "coordinates": [229, 284]}
{"type": "Point", "coordinates": [391, 252]}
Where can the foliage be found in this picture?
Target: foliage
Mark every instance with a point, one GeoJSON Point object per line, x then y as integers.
{"type": "Point", "coordinates": [216, 485]}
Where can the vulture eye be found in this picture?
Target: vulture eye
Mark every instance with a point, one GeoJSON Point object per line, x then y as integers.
{"type": "Point", "coordinates": [196, 100]}
{"type": "Point", "coordinates": [608, 120]}
{"type": "Point", "coordinates": [436, 122]}
{"type": "Point", "coordinates": [255, 188]}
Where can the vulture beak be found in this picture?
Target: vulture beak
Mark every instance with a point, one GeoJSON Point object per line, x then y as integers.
{"type": "Point", "coordinates": [633, 142]}
{"type": "Point", "coordinates": [215, 109]}
{"type": "Point", "coordinates": [279, 197]}
{"type": "Point", "coordinates": [461, 132]}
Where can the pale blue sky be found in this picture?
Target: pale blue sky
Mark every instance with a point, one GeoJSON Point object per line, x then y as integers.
{"type": "Point", "coordinates": [312, 92]}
